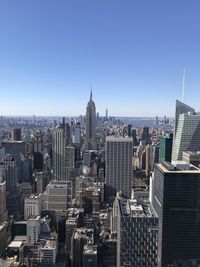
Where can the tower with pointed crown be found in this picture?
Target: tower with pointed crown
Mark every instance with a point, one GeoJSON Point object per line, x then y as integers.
{"type": "Point", "coordinates": [90, 124]}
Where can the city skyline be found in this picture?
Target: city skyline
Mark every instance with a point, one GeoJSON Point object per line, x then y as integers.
{"type": "Point", "coordinates": [133, 54]}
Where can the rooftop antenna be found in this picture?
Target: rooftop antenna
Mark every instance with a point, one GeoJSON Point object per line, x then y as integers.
{"type": "Point", "coordinates": [90, 92]}
{"type": "Point", "coordinates": [183, 88]}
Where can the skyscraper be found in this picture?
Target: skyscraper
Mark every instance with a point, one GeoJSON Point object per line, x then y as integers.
{"type": "Point", "coordinates": [118, 166]}
{"type": "Point", "coordinates": [175, 196]}
{"type": "Point", "coordinates": [145, 135]}
{"type": "Point", "coordinates": [137, 233]}
{"type": "Point", "coordinates": [10, 173]}
{"type": "Point", "coordinates": [165, 151]}
{"type": "Point", "coordinates": [58, 153]}
{"type": "Point", "coordinates": [90, 255]}
{"type": "Point", "coordinates": [76, 133]}
{"type": "Point", "coordinates": [16, 134]}
{"type": "Point", "coordinates": [3, 210]}
{"type": "Point", "coordinates": [38, 142]}
{"type": "Point", "coordinates": [180, 109]}
{"type": "Point", "coordinates": [187, 135]}
{"type": "Point", "coordinates": [91, 125]}
{"type": "Point", "coordinates": [186, 130]}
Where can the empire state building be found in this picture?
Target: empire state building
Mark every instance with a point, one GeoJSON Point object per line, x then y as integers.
{"type": "Point", "coordinates": [91, 125]}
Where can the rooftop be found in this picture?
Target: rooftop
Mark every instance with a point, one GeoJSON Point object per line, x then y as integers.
{"type": "Point", "coordinates": [33, 196]}
{"type": "Point", "coordinates": [90, 249]}
{"type": "Point", "coordinates": [133, 208]}
{"type": "Point", "coordinates": [113, 138]}
{"type": "Point", "coordinates": [84, 232]}
{"type": "Point", "coordinates": [34, 218]}
{"type": "Point", "coordinates": [192, 152]}
{"type": "Point", "coordinates": [15, 244]}
{"type": "Point", "coordinates": [178, 166]}
{"type": "Point", "coordinates": [12, 141]}
{"type": "Point", "coordinates": [58, 184]}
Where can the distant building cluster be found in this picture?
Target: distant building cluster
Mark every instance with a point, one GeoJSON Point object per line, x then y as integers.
{"type": "Point", "coordinates": [94, 191]}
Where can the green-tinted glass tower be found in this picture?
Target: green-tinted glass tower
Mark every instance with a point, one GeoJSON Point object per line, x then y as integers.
{"type": "Point", "coordinates": [165, 152]}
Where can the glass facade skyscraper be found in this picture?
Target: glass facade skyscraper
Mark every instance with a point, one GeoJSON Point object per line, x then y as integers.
{"type": "Point", "coordinates": [176, 200]}
{"type": "Point", "coordinates": [187, 136]}
{"type": "Point", "coordinates": [186, 131]}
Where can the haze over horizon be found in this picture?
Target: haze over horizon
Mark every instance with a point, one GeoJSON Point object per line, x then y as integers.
{"type": "Point", "coordinates": [132, 53]}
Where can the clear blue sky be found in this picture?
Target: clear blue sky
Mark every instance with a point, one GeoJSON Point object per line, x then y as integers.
{"type": "Point", "coordinates": [132, 51]}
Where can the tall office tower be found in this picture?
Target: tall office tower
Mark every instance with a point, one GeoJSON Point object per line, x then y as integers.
{"type": "Point", "coordinates": [88, 157]}
{"type": "Point", "coordinates": [10, 173]}
{"type": "Point", "coordinates": [1, 137]}
{"type": "Point", "coordinates": [16, 134]}
{"type": "Point", "coordinates": [15, 148]}
{"type": "Point", "coordinates": [3, 210]}
{"type": "Point", "coordinates": [69, 161]}
{"type": "Point", "coordinates": [80, 237]}
{"type": "Point", "coordinates": [150, 150]}
{"type": "Point", "coordinates": [26, 170]}
{"type": "Point", "coordinates": [68, 134]}
{"type": "Point", "coordinates": [90, 255]}
{"type": "Point", "coordinates": [40, 182]}
{"type": "Point", "coordinates": [91, 125]}
{"type": "Point", "coordinates": [180, 109]}
{"type": "Point", "coordinates": [157, 120]}
{"type": "Point", "coordinates": [34, 120]}
{"type": "Point", "coordinates": [175, 196]}
{"type": "Point", "coordinates": [165, 151]}
{"type": "Point", "coordinates": [187, 135]}
{"type": "Point", "coordinates": [134, 136]}
{"type": "Point", "coordinates": [13, 196]}
{"type": "Point", "coordinates": [70, 157]}
{"type": "Point", "coordinates": [2, 153]}
{"type": "Point", "coordinates": [129, 128]}
{"type": "Point", "coordinates": [38, 142]}
{"type": "Point", "coordinates": [76, 133]}
{"type": "Point", "coordinates": [145, 135]}
{"type": "Point", "coordinates": [137, 234]}
{"type": "Point", "coordinates": [58, 153]}
{"type": "Point", "coordinates": [106, 113]}
{"type": "Point", "coordinates": [118, 166]}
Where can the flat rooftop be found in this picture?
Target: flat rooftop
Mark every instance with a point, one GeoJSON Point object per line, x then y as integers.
{"type": "Point", "coordinates": [178, 166]}
{"type": "Point", "coordinates": [90, 249]}
{"type": "Point", "coordinates": [133, 208]}
{"type": "Point", "coordinates": [15, 244]}
{"type": "Point", "coordinates": [113, 138]}
{"type": "Point", "coordinates": [12, 141]}
{"type": "Point", "coordinates": [33, 196]}
{"type": "Point", "coordinates": [196, 153]}
{"type": "Point", "coordinates": [84, 233]}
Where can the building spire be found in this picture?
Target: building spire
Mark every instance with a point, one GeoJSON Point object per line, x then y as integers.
{"type": "Point", "coordinates": [183, 88]}
{"type": "Point", "coordinates": [91, 92]}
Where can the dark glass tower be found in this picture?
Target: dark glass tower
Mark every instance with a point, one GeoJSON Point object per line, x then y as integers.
{"type": "Point", "coordinates": [176, 200]}
{"type": "Point", "coordinates": [145, 135]}
{"type": "Point", "coordinates": [165, 151]}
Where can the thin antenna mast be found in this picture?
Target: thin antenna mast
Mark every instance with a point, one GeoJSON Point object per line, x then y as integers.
{"type": "Point", "coordinates": [183, 88]}
{"type": "Point", "coordinates": [90, 92]}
